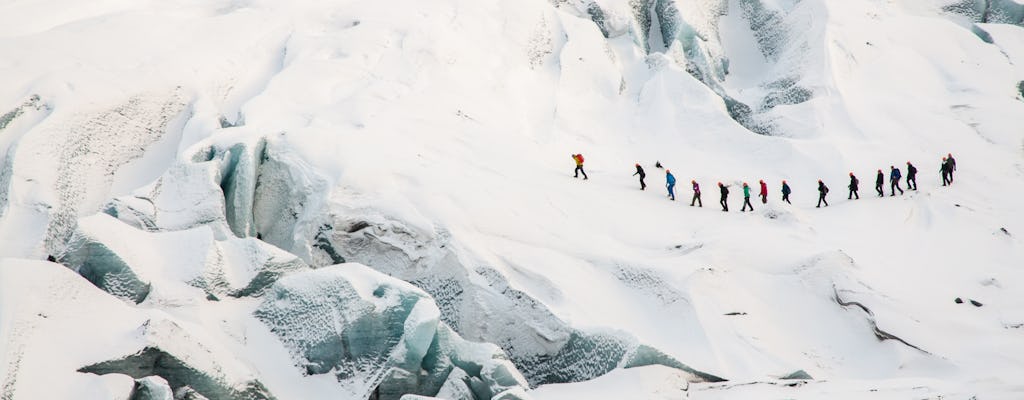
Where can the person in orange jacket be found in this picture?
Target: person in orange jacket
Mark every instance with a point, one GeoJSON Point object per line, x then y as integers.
{"type": "Point", "coordinates": [579, 166]}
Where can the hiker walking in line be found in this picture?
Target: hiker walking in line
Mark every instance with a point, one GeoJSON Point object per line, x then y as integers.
{"type": "Point", "coordinates": [952, 166]}
{"type": "Point", "coordinates": [879, 184]}
{"type": "Point", "coordinates": [911, 176]}
{"type": "Point", "coordinates": [746, 198]}
{"type": "Point", "coordinates": [696, 195]}
{"type": "Point", "coordinates": [670, 183]}
{"type": "Point", "coordinates": [764, 192]}
{"type": "Point", "coordinates": [579, 166]}
{"type": "Point", "coordinates": [725, 195]}
{"type": "Point", "coordinates": [944, 169]}
{"type": "Point", "coordinates": [640, 171]}
{"type": "Point", "coordinates": [894, 180]}
{"type": "Point", "coordinates": [822, 191]}
{"type": "Point", "coordinates": [854, 183]}
{"type": "Point", "coordinates": [786, 191]}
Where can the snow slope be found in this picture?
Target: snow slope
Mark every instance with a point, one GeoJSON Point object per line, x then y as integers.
{"type": "Point", "coordinates": [430, 141]}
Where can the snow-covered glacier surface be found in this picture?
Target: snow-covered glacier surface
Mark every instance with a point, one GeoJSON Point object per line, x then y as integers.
{"type": "Point", "coordinates": [355, 199]}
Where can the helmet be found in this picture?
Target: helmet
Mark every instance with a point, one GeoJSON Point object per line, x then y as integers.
{"type": "Point", "coordinates": [783, 181]}
{"type": "Point", "coordinates": [667, 171]}
{"type": "Point", "coordinates": [851, 174]}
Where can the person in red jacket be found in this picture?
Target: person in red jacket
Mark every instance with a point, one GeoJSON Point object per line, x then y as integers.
{"type": "Point", "coordinates": [579, 166]}
{"type": "Point", "coordinates": [764, 192]}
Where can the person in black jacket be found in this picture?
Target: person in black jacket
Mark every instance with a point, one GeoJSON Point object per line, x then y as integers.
{"type": "Point", "coordinates": [725, 195]}
{"type": "Point", "coordinates": [822, 191]}
{"type": "Point", "coordinates": [854, 183]}
{"type": "Point", "coordinates": [786, 191]}
{"type": "Point", "coordinates": [640, 171]}
{"type": "Point", "coordinates": [911, 176]}
{"type": "Point", "coordinates": [944, 169]}
{"type": "Point", "coordinates": [952, 166]}
{"type": "Point", "coordinates": [880, 184]}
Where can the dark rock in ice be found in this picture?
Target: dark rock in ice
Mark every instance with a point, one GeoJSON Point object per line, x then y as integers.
{"type": "Point", "coordinates": [975, 303]}
{"type": "Point", "coordinates": [958, 300]}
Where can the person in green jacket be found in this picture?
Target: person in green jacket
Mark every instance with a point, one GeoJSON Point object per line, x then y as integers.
{"type": "Point", "coordinates": [746, 198]}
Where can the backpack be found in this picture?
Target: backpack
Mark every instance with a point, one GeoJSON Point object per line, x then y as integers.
{"type": "Point", "coordinates": [580, 157]}
{"type": "Point", "coordinates": [856, 181]}
{"type": "Point", "coordinates": [825, 191]}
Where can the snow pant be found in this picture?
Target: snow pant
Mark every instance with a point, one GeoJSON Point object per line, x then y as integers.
{"type": "Point", "coordinates": [785, 198]}
{"type": "Point", "coordinates": [746, 203]}
{"type": "Point", "coordinates": [696, 198]}
{"type": "Point", "coordinates": [880, 190]}
{"type": "Point", "coordinates": [945, 179]}
{"type": "Point", "coordinates": [764, 198]}
{"type": "Point", "coordinates": [853, 192]}
{"type": "Point", "coordinates": [642, 184]}
{"type": "Point", "coordinates": [895, 186]}
{"type": "Point", "coordinates": [671, 192]}
{"type": "Point", "coordinates": [821, 198]}
{"type": "Point", "coordinates": [911, 183]}
{"type": "Point", "coordinates": [725, 206]}
{"type": "Point", "coordinates": [951, 175]}
{"type": "Point", "coordinates": [579, 170]}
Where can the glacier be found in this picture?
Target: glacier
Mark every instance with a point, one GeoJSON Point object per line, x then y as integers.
{"type": "Point", "coordinates": [358, 200]}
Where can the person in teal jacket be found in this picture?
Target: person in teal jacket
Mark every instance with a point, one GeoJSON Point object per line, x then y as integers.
{"type": "Point", "coordinates": [670, 183]}
{"type": "Point", "coordinates": [746, 198]}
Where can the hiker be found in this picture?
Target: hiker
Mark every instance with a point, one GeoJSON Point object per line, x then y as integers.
{"type": "Point", "coordinates": [879, 182]}
{"type": "Point", "coordinates": [579, 166]}
{"type": "Point", "coordinates": [725, 195]}
{"type": "Point", "coordinates": [696, 195]}
{"type": "Point", "coordinates": [746, 198]}
{"type": "Point", "coordinates": [822, 191]}
{"type": "Point", "coordinates": [952, 166]}
{"type": "Point", "coordinates": [640, 171]}
{"type": "Point", "coordinates": [764, 192]}
{"type": "Point", "coordinates": [894, 180]}
{"type": "Point", "coordinates": [854, 183]}
{"type": "Point", "coordinates": [786, 191]}
{"type": "Point", "coordinates": [670, 183]}
{"type": "Point", "coordinates": [911, 176]}
{"type": "Point", "coordinates": [945, 172]}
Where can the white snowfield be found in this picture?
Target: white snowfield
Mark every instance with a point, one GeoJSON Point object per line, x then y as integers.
{"type": "Point", "coordinates": [362, 199]}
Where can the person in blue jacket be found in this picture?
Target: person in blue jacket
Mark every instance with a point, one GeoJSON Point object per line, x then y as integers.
{"type": "Point", "coordinates": [894, 180]}
{"type": "Point", "coordinates": [670, 183]}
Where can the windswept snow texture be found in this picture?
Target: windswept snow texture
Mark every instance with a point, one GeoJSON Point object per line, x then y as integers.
{"type": "Point", "coordinates": [358, 199]}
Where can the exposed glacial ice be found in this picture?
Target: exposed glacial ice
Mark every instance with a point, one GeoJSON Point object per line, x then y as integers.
{"type": "Point", "coordinates": [378, 336]}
